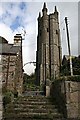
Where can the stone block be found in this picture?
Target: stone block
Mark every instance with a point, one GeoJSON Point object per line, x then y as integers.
{"type": "Point", "coordinates": [47, 91]}
{"type": "Point", "coordinates": [72, 110]}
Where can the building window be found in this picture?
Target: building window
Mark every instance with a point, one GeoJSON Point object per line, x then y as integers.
{"type": "Point", "coordinates": [47, 29]}
{"type": "Point", "coordinates": [3, 81]}
{"type": "Point", "coordinates": [69, 87]}
{"type": "Point", "coordinates": [56, 31]}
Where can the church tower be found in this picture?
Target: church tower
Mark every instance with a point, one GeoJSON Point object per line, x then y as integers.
{"type": "Point", "coordinates": [48, 56]}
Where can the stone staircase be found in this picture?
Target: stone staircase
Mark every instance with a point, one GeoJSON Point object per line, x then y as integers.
{"type": "Point", "coordinates": [35, 107]}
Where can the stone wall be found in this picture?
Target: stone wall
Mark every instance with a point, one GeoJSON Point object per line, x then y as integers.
{"type": "Point", "coordinates": [11, 73]}
{"type": "Point", "coordinates": [66, 92]}
{"type": "Point", "coordinates": [12, 66]}
{"type": "Point", "coordinates": [72, 100]}
{"type": "Point", "coordinates": [18, 78]}
{"type": "Point", "coordinates": [58, 95]}
{"type": "Point", "coordinates": [8, 71]}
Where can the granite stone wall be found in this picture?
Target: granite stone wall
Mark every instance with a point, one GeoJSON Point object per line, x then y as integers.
{"type": "Point", "coordinates": [12, 66]}
{"type": "Point", "coordinates": [66, 93]}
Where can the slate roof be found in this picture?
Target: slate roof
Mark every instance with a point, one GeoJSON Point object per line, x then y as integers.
{"type": "Point", "coordinates": [3, 40]}
{"type": "Point", "coordinates": [6, 48]}
{"type": "Point", "coordinates": [9, 49]}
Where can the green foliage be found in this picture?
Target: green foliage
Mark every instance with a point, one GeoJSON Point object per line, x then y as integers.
{"type": "Point", "coordinates": [65, 68]}
{"type": "Point", "coordinates": [7, 98]}
{"type": "Point", "coordinates": [29, 81]}
{"type": "Point", "coordinates": [15, 94]}
{"type": "Point", "coordinates": [76, 65]}
{"type": "Point", "coordinates": [75, 78]}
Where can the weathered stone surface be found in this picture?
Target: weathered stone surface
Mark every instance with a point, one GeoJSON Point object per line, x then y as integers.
{"type": "Point", "coordinates": [48, 47]}
{"type": "Point", "coordinates": [47, 91]}
{"type": "Point", "coordinates": [11, 65]}
{"type": "Point", "coordinates": [67, 95]}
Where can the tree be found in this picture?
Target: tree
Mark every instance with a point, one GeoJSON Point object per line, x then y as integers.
{"type": "Point", "coordinates": [65, 68]}
{"type": "Point", "coordinates": [76, 65]}
{"type": "Point", "coordinates": [29, 81]}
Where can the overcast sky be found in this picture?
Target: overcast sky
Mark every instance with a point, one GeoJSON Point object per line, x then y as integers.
{"type": "Point", "coordinates": [15, 16]}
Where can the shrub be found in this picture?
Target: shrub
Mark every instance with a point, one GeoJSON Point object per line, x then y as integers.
{"type": "Point", "coordinates": [7, 98]}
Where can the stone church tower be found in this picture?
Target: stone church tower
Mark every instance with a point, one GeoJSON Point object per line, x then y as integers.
{"type": "Point", "coordinates": [48, 56]}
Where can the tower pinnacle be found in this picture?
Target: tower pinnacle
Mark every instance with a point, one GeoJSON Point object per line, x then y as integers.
{"type": "Point", "coordinates": [55, 9]}
{"type": "Point", "coordinates": [44, 5]}
{"type": "Point", "coordinates": [56, 13]}
{"type": "Point", "coordinates": [44, 10]}
{"type": "Point", "coordinates": [39, 14]}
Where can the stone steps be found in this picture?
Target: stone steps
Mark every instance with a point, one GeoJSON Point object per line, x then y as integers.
{"type": "Point", "coordinates": [33, 116]}
{"type": "Point", "coordinates": [20, 110]}
{"type": "Point", "coordinates": [32, 108]}
{"type": "Point", "coordinates": [33, 103]}
{"type": "Point", "coordinates": [32, 98]}
{"type": "Point", "coordinates": [35, 106]}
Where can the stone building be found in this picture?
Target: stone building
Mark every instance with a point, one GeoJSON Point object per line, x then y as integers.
{"type": "Point", "coordinates": [48, 55]}
{"type": "Point", "coordinates": [11, 67]}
